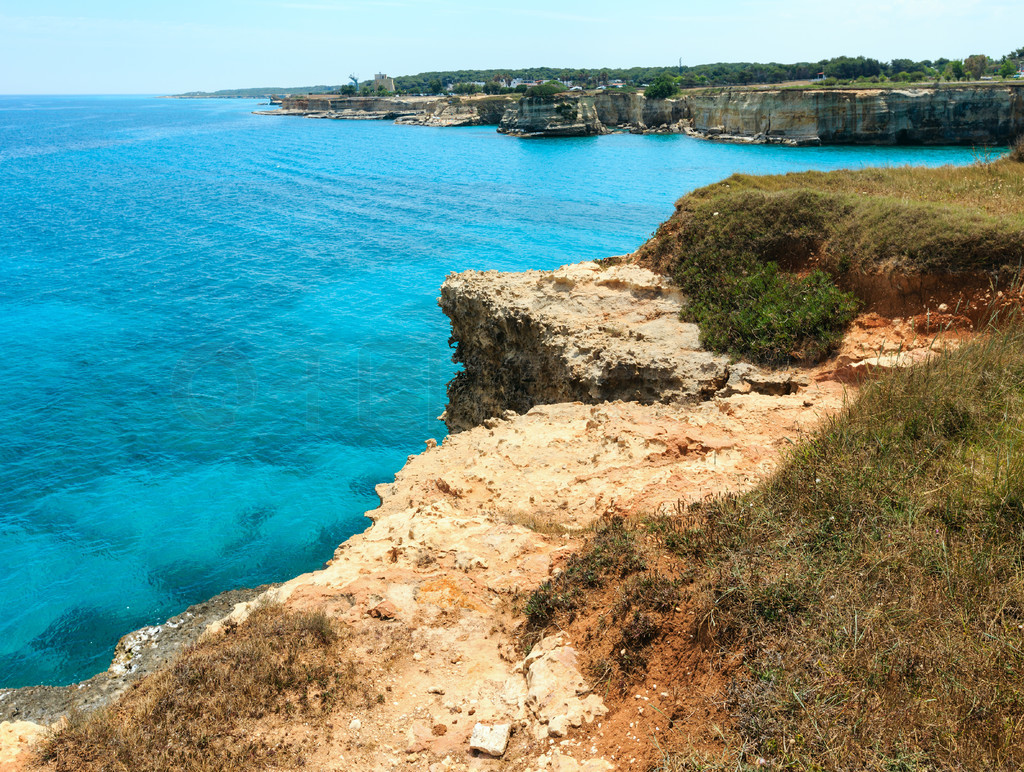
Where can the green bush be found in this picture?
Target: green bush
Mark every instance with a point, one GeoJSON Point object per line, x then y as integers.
{"type": "Point", "coordinates": [662, 88]}
{"type": "Point", "coordinates": [771, 316]}
{"type": "Point", "coordinates": [548, 89]}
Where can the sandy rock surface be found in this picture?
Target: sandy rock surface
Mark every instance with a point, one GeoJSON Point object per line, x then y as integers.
{"type": "Point", "coordinates": [16, 741]}
{"type": "Point", "coordinates": [453, 548]}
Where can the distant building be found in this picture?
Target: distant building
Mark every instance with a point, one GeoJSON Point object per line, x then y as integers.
{"type": "Point", "coordinates": [382, 81]}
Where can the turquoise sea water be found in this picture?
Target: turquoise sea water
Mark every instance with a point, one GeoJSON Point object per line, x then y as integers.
{"type": "Point", "coordinates": [219, 331]}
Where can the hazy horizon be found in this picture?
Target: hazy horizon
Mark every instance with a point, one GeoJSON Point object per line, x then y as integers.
{"type": "Point", "coordinates": [117, 47]}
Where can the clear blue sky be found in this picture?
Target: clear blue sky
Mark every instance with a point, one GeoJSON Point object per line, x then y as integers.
{"type": "Point", "coordinates": [140, 46]}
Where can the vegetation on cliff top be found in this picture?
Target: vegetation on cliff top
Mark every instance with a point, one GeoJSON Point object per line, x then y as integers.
{"type": "Point", "coordinates": [730, 245]}
{"type": "Point", "coordinates": [873, 587]}
{"type": "Point", "coordinates": [199, 714]}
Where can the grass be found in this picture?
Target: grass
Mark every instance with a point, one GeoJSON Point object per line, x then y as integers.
{"type": "Point", "coordinates": [760, 257]}
{"type": "Point", "coordinates": [202, 712]}
{"type": "Point", "coordinates": [1017, 150]}
{"type": "Point", "coordinates": [874, 585]}
{"type": "Point", "coordinates": [878, 579]}
{"type": "Point", "coordinates": [611, 554]}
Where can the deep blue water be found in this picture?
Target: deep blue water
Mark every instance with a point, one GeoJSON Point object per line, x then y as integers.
{"type": "Point", "coordinates": [219, 331]}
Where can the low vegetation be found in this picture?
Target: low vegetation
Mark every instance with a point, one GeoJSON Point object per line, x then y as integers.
{"type": "Point", "coordinates": [760, 257]}
{"type": "Point", "coordinates": [546, 90]}
{"type": "Point", "coordinates": [874, 586]}
{"type": "Point", "coordinates": [201, 713]}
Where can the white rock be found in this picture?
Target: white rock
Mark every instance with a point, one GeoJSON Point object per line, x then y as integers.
{"type": "Point", "coordinates": [558, 726]}
{"type": "Point", "coordinates": [491, 740]}
{"type": "Point", "coordinates": [355, 725]}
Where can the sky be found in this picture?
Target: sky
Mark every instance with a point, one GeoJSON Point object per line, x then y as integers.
{"type": "Point", "coordinates": [163, 47]}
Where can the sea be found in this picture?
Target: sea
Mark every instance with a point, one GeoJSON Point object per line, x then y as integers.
{"type": "Point", "coordinates": [219, 331]}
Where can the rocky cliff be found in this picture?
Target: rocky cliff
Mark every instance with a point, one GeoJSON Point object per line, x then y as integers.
{"type": "Point", "coordinates": [948, 115]}
{"type": "Point", "coordinates": [583, 333]}
{"type": "Point", "coordinates": [420, 111]}
{"type": "Point", "coordinates": [563, 115]}
{"type": "Point", "coordinates": [462, 111]}
{"type": "Point", "coordinates": [352, 108]}
{"type": "Point", "coordinates": [990, 114]}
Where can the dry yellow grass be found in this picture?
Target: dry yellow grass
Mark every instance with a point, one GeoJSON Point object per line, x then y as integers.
{"type": "Point", "coordinates": [220, 706]}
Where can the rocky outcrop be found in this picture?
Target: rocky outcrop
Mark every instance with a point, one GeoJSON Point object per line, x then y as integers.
{"type": "Point", "coordinates": [419, 111]}
{"type": "Point", "coordinates": [431, 594]}
{"type": "Point", "coordinates": [947, 115]}
{"type": "Point", "coordinates": [562, 115]}
{"type": "Point", "coordinates": [457, 111]}
{"type": "Point", "coordinates": [582, 333]}
{"type": "Point", "coordinates": [352, 108]}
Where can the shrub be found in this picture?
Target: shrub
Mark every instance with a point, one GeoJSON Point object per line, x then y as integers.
{"type": "Point", "coordinates": [548, 89]}
{"type": "Point", "coordinates": [1017, 150]}
{"type": "Point", "coordinates": [662, 88]}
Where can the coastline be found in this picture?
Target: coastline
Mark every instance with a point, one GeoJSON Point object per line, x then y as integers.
{"type": "Point", "coordinates": [977, 114]}
{"type": "Point", "coordinates": [137, 654]}
{"type": "Point", "coordinates": [471, 524]}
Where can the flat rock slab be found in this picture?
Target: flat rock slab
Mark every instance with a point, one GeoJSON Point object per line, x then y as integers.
{"type": "Point", "coordinates": [492, 740]}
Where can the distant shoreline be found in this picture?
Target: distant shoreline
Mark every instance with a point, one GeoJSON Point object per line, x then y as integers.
{"type": "Point", "coordinates": [986, 114]}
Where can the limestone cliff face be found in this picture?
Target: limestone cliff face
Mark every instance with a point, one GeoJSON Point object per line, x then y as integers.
{"type": "Point", "coordinates": [476, 111]}
{"type": "Point", "coordinates": [564, 115]}
{"type": "Point", "coordinates": [352, 108]}
{"type": "Point", "coordinates": [948, 115]}
{"type": "Point", "coordinates": [619, 110]}
{"type": "Point", "coordinates": [582, 333]}
{"type": "Point", "coordinates": [989, 114]}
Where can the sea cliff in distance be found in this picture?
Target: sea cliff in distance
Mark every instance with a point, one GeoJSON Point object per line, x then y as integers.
{"type": "Point", "coordinates": [975, 114]}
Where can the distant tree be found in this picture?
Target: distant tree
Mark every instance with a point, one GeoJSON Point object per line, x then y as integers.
{"type": "Point", "coordinates": [662, 88]}
{"type": "Point", "coordinates": [548, 89]}
{"type": "Point", "coordinates": [492, 87]}
{"type": "Point", "coordinates": [1006, 69]}
{"type": "Point", "coordinates": [366, 91]}
{"type": "Point", "coordinates": [435, 87]}
{"type": "Point", "coordinates": [976, 65]}
{"type": "Point", "coordinates": [848, 68]}
{"type": "Point", "coordinates": [348, 90]}
{"type": "Point", "coordinates": [954, 70]}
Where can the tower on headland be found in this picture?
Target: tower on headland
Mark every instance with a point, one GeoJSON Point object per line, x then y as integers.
{"type": "Point", "coordinates": [380, 80]}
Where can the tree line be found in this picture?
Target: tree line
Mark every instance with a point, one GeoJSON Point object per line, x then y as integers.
{"type": "Point", "coordinates": [838, 69]}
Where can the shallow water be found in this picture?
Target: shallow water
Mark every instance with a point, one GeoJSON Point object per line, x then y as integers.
{"type": "Point", "coordinates": [220, 331]}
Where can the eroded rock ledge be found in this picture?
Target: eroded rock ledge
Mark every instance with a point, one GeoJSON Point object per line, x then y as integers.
{"type": "Point", "coordinates": [581, 333]}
